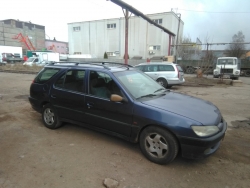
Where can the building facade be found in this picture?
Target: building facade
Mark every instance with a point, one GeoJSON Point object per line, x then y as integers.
{"type": "Point", "coordinates": [27, 35]}
{"type": "Point", "coordinates": [144, 39]}
{"type": "Point", "coordinates": [57, 46]}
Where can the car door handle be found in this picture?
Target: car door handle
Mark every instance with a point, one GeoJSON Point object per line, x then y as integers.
{"type": "Point", "coordinates": [90, 105]}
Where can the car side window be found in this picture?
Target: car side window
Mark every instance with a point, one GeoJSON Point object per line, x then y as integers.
{"type": "Point", "coordinates": [72, 80]}
{"type": "Point", "coordinates": [102, 85]}
{"type": "Point", "coordinates": [141, 68]}
{"type": "Point", "coordinates": [151, 68]}
{"type": "Point", "coordinates": [166, 68]}
{"type": "Point", "coordinates": [98, 85]}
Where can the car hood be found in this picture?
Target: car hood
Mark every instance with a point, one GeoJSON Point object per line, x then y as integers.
{"type": "Point", "coordinates": [191, 107]}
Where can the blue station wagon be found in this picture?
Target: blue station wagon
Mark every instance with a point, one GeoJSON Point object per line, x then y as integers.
{"type": "Point", "coordinates": [120, 100]}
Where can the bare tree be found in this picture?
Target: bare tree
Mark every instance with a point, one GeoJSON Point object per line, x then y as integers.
{"type": "Point", "coordinates": [187, 49]}
{"type": "Point", "coordinates": [236, 49]}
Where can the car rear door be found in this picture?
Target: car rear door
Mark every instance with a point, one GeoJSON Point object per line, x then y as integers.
{"type": "Point", "coordinates": [168, 72]}
{"type": "Point", "coordinates": [68, 95]}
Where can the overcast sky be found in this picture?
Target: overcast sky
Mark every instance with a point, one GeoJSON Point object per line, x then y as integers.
{"type": "Point", "coordinates": [217, 20]}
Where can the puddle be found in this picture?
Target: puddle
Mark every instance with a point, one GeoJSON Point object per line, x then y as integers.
{"type": "Point", "coordinates": [241, 124]}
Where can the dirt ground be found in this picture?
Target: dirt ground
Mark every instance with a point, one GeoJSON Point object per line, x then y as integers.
{"type": "Point", "coordinates": [34, 156]}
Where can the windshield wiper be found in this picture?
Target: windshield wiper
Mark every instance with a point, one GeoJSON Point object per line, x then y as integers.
{"type": "Point", "coordinates": [159, 90]}
{"type": "Point", "coordinates": [149, 95]}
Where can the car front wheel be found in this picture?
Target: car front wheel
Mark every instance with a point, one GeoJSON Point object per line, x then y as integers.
{"type": "Point", "coordinates": [50, 118]}
{"type": "Point", "coordinates": [158, 145]}
{"type": "Point", "coordinates": [162, 82]}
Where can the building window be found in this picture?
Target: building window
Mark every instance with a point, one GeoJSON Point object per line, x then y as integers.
{"type": "Point", "coordinates": [111, 26]}
{"type": "Point", "coordinates": [77, 28]}
{"type": "Point", "coordinates": [111, 54]}
{"type": "Point", "coordinates": [158, 21]}
{"type": "Point", "coordinates": [156, 47]}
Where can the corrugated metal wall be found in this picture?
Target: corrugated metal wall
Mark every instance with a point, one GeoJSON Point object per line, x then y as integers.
{"type": "Point", "coordinates": [95, 38]}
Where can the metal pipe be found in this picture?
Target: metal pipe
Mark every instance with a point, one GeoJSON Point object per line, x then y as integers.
{"type": "Point", "coordinates": [138, 13]}
{"type": "Point", "coordinates": [169, 45]}
{"type": "Point", "coordinates": [126, 37]}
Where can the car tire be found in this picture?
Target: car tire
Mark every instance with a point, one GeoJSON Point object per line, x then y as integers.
{"type": "Point", "coordinates": [50, 117]}
{"type": "Point", "coordinates": [158, 145]}
{"type": "Point", "coordinates": [162, 82]}
{"type": "Point", "coordinates": [190, 70]}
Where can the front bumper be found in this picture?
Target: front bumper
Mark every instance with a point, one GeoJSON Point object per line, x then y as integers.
{"type": "Point", "coordinates": [196, 148]}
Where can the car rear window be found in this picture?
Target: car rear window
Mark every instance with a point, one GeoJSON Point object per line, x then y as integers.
{"type": "Point", "coordinates": [179, 68]}
{"type": "Point", "coordinates": [45, 75]}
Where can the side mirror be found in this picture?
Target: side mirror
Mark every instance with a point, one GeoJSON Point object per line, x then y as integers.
{"type": "Point", "coordinates": [116, 98]}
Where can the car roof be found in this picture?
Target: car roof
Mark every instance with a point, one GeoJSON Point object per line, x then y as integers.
{"type": "Point", "coordinates": [109, 66]}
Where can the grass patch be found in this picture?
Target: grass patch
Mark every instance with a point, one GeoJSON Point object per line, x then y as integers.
{"type": "Point", "coordinates": [204, 81]}
{"type": "Point", "coordinates": [20, 67]}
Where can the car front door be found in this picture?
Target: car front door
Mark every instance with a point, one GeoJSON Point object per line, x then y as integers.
{"type": "Point", "coordinates": [152, 71]}
{"type": "Point", "coordinates": [111, 116]}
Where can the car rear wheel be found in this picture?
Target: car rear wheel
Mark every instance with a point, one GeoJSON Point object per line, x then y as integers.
{"type": "Point", "coordinates": [190, 70]}
{"type": "Point", "coordinates": [158, 145]}
{"type": "Point", "coordinates": [50, 118]}
{"type": "Point", "coordinates": [162, 82]}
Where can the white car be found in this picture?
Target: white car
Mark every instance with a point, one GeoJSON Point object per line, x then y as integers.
{"type": "Point", "coordinates": [166, 74]}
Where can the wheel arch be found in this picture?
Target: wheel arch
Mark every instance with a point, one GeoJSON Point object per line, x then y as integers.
{"type": "Point", "coordinates": [159, 126]}
{"type": "Point", "coordinates": [161, 77]}
{"type": "Point", "coordinates": [44, 103]}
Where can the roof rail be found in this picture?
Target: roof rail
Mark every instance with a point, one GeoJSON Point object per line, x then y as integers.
{"type": "Point", "coordinates": [93, 63]}
{"type": "Point", "coordinates": [117, 63]}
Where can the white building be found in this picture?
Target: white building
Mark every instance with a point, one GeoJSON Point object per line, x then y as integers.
{"type": "Point", "coordinates": [144, 39]}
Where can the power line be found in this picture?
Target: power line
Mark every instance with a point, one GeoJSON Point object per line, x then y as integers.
{"type": "Point", "coordinates": [193, 44]}
{"type": "Point", "coordinates": [215, 12]}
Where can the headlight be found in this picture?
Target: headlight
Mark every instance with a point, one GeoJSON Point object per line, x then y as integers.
{"type": "Point", "coordinates": [237, 72]}
{"type": "Point", "coordinates": [205, 130]}
{"type": "Point", "coordinates": [215, 72]}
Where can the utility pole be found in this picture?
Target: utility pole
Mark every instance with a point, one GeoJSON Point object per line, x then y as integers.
{"type": "Point", "coordinates": [126, 36]}
{"type": "Point", "coordinates": [177, 39]}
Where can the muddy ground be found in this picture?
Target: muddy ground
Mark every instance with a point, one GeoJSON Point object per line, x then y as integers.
{"type": "Point", "coordinates": [34, 156]}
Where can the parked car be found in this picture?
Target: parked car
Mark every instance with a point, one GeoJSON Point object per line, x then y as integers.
{"type": "Point", "coordinates": [166, 74]}
{"type": "Point", "coordinates": [120, 100]}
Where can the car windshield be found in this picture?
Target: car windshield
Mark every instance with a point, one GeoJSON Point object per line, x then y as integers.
{"type": "Point", "coordinates": [226, 62]}
{"type": "Point", "coordinates": [139, 84]}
